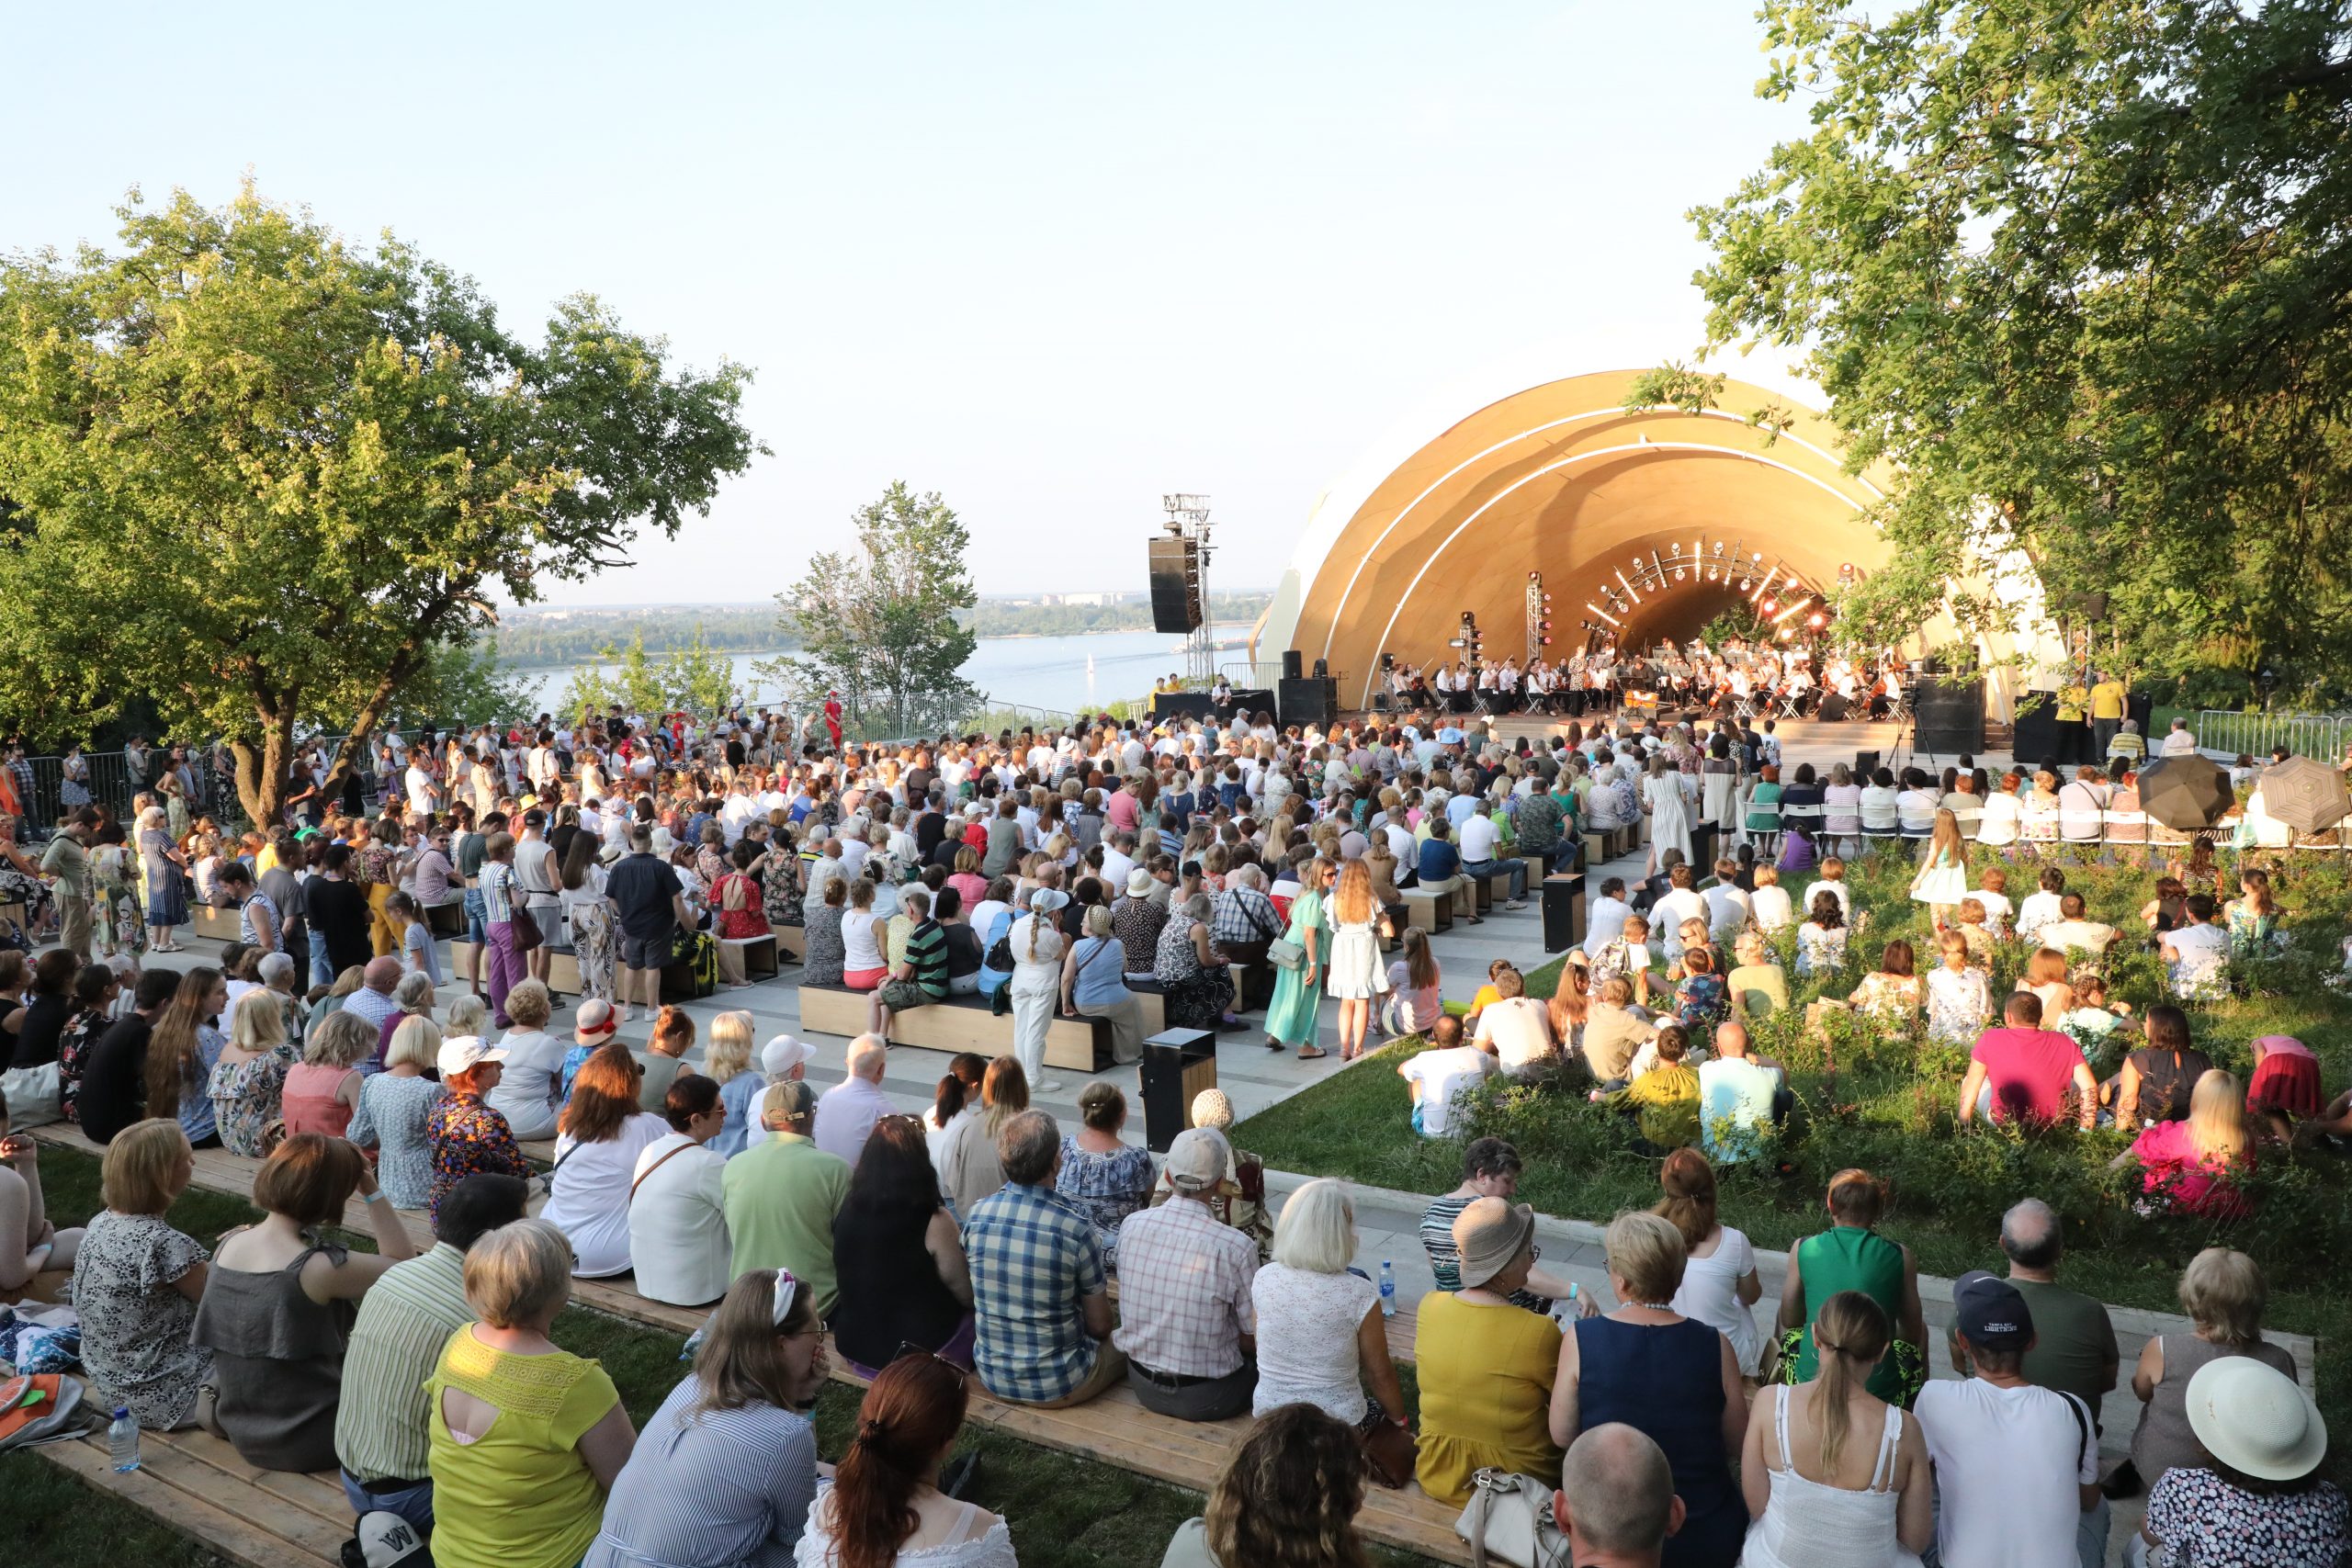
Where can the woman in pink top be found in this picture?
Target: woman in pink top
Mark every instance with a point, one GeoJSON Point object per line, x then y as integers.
{"type": "Point", "coordinates": [2187, 1165]}
{"type": "Point", "coordinates": [322, 1089]}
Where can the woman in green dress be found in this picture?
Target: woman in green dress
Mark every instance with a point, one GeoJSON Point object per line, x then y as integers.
{"type": "Point", "coordinates": [1853, 1256]}
{"type": "Point", "coordinates": [1298, 993]}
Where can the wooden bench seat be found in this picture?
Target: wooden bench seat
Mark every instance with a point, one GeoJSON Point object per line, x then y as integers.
{"type": "Point", "coordinates": [564, 967]}
{"type": "Point", "coordinates": [447, 918]}
{"type": "Point", "coordinates": [965, 1023]}
{"type": "Point", "coordinates": [220, 925]}
{"type": "Point", "coordinates": [1432, 911]}
{"type": "Point", "coordinates": [759, 953]}
{"type": "Point", "coordinates": [1113, 1429]}
{"type": "Point", "coordinates": [792, 943]}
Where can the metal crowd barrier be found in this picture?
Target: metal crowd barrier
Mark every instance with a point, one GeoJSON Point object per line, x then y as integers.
{"type": "Point", "coordinates": [2321, 736]}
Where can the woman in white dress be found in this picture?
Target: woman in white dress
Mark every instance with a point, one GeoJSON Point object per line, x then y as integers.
{"type": "Point", "coordinates": [1036, 982]}
{"type": "Point", "coordinates": [1354, 974]}
{"type": "Point", "coordinates": [603, 1132]}
{"type": "Point", "coordinates": [1720, 1284]}
{"type": "Point", "coordinates": [1666, 804]}
{"type": "Point", "coordinates": [883, 1504]}
{"type": "Point", "coordinates": [1942, 878]}
{"type": "Point", "coordinates": [1834, 1476]}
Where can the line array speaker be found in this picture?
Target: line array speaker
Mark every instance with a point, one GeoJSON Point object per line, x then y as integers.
{"type": "Point", "coordinates": [1175, 585]}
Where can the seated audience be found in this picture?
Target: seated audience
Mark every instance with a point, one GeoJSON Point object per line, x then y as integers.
{"type": "Point", "coordinates": [1853, 1256]}
{"type": "Point", "coordinates": [272, 1313]}
{"type": "Point", "coordinates": [1669, 1377]}
{"type": "Point", "coordinates": [30, 1244]}
{"type": "Point", "coordinates": [137, 1283]}
{"type": "Point", "coordinates": [2258, 1490]}
{"type": "Point", "coordinates": [662, 1059]}
{"type": "Point", "coordinates": [1485, 1364]}
{"type": "Point", "coordinates": [1614, 1031]}
{"type": "Point", "coordinates": [918, 971]}
{"type": "Point", "coordinates": [1758, 987]}
{"type": "Point", "coordinates": [1187, 1323]}
{"type": "Point", "coordinates": [678, 1246]}
{"type": "Point", "coordinates": [1321, 1335]}
{"type": "Point", "coordinates": [596, 1147]}
{"type": "Point", "coordinates": [727, 1062]}
{"type": "Point", "coordinates": [321, 1091]}
{"type": "Point", "coordinates": [968, 1170]}
{"type": "Point", "coordinates": [1616, 1500]}
{"type": "Point", "coordinates": [1834, 1476]}
{"type": "Point", "coordinates": [1720, 1285]}
{"type": "Point", "coordinates": [1101, 1176]}
{"type": "Point", "coordinates": [2197, 952]}
{"type": "Point", "coordinates": [1290, 1494]}
{"type": "Point", "coordinates": [1663, 1101]}
{"type": "Point", "coordinates": [2191, 1166]}
{"type": "Point", "coordinates": [1959, 992]}
{"type": "Point", "coordinates": [2024, 1073]}
{"type": "Point", "coordinates": [726, 1470]}
{"type": "Point", "coordinates": [530, 1084]}
{"type": "Point", "coordinates": [1038, 1285]}
{"type": "Point", "coordinates": [525, 1439]}
{"type": "Point", "coordinates": [783, 1193]}
{"type": "Point", "coordinates": [1741, 1096]}
{"type": "Point", "coordinates": [885, 1506]}
{"type": "Point", "coordinates": [1490, 1168]}
{"type": "Point", "coordinates": [2159, 1079]}
{"type": "Point", "coordinates": [847, 1111]}
{"type": "Point", "coordinates": [1436, 1077]}
{"type": "Point", "coordinates": [114, 1078]}
{"type": "Point", "coordinates": [1821, 940]}
{"type": "Point", "coordinates": [395, 1113]}
{"type": "Point", "coordinates": [2017, 1466]}
{"type": "Point", "coordinates": [1093, 982]}
{"type": "Point", "coordinates": [2074, 1350]}
{"type": "Point", "coordinates": [2224, 1294]}
{"type": "Point", "coordinates": [249, 1075]}
{"type": "Point", "coordinates": [382, 1420]}
{"type": "Point", "coordinates": [1517, 1029]}
{"type": "Point", "coordinates": [904, 1277]}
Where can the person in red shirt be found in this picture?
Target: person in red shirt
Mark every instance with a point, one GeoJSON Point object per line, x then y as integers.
{"type": "Point", "coordinates": [833, 717]}
{"type": "Point", "coordinates": [2021, 1072]}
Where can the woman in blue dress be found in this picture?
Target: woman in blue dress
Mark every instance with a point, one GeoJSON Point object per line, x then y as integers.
{"type": "Point", "coordinates": [1291, 1016]}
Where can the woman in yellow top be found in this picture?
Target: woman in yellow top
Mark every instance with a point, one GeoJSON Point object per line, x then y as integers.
{"type": "Point", "coordinates": [1486, 1364]}
{"type": "Point", "coordinates": [1664, 1101]}
{"type": "Point", "coordinates": [525, 1439]}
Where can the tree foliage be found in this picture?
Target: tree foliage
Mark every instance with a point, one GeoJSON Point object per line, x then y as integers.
{"type": "Point", "coordinates": [267, 478]}
{"type": "Point", "coordinates": [2079, 272]}
{"type": "Point", "coordinates": [879, 623]}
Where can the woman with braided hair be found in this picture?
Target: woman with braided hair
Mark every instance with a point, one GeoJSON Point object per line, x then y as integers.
{"type": "Point", "coordinates": [885, 1506]}
{"type": "Point", "coordinates": [1287, 1500]}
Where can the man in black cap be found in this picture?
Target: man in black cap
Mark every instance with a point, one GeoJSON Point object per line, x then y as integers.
{"type": "Point", "coordinates": [2017, 1466]}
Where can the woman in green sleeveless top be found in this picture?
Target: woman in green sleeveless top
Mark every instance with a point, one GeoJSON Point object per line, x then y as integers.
{"type": "Point", "coordinates": [1850, 1256]}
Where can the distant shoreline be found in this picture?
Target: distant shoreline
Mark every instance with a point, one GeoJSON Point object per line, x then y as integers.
{"type": "Point", "coordinates": [595, 662]}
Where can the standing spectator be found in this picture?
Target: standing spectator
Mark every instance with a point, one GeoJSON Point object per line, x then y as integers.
{"type": "Point", "coordinates": [337, 912]}
{"type": "Point", "coordinates": [727, 1469]}
{"type": "Point", "coordinates": [904, 1277]}
{"type": "Point", "coordinates": [2108, 698]}
{"type": "Point", "coordinates": [1675, 1380]}
{"type": "Point", "coordinates": [1038, 1286]}
{"type": "Point", "coordinates": [1187, 1324]}
{"type": "Point", "coordinates": [382, 1418]}
{"type": "Point", "coordinates": [2258, 1491]}
{"type": "Point", "coordinates": [137, 1283]}
{"type": "Point", "coordinates": [67, 859]}
{"type": "Point", "coordinates": [1853, 1256]}
{"type": "Point", "coordinates": [2073, 1349]}
{"type": "Point", "coordinates": [1291, 1016]}
{"type": "Point", "coordinates": [2024, 1073]}
{"type": "Point", "coordinates": [1289, 1496]}
{"type": "Point", "coordinates": [2223, 1293]}
{"type": "Point", "coordinates": [781, 1194]}
{"type": "Point", "coordinates": [1037, 946]}
{"type": "Point", "coordinates": [2017, 1466]}
{"type": "Point", "coordinates": [525, 1437]}
{"type": "Point", "coordinates": [651, 910]}
{"type": "Point", "coordinates": [847, 1111]}
{"type": "Point", "coordinates": [678, 1246]}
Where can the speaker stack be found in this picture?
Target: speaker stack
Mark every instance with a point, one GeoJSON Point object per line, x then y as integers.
{"type": "Point", "coordinates": [1308, 699]}
{"type": "Point", "coordinates": [1175, 584]}
{"type": "Point", "coordinates": [1948, 715]}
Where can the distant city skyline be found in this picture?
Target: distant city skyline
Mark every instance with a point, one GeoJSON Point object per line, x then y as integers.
{"type": "Point", "coordinates": [1050, 260]}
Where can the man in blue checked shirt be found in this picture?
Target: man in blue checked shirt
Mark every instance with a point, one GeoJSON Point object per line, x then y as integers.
{"type": "Point", "coordinates": [1039, 1291]}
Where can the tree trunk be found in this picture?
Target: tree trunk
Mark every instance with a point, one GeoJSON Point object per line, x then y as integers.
{"type": "Point", "coordinates": [261, 777]}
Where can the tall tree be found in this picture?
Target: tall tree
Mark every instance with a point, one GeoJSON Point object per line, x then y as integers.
{"type": "Point", "coordinates": [268, 478]}
{"type": "Point", "coordinates": [879, 623]}
{"type": "Point", "coordinates": [2079, 270]}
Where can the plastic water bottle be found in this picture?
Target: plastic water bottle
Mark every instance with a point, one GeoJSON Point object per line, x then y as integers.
{"type": "Point", "coordinates": [123, 1440]}
{"type": "Point", "coordinates": [1387, 1288]}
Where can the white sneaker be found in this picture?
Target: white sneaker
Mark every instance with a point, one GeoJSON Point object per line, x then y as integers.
{"type": "Point", "coordinates": [1516, 903]}
{"type": "Point", "coordinates": [1051, 1086]}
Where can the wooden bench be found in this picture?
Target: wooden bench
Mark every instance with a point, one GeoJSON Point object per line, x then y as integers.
{"type": "Point", "coordinates": [1113, 1429]}
{"type": "Point", "coordinates": [1430, 911]}
{"type": "Point", "coordinates": [759, 955]}
{"type": "Point", "coordinates": [965, 1023]}
{"type": "Point", "coordinates": [447, 918]}
{"type": "Point", "coordinates": [792, 941]}
{"type": "Point", "coordinates": [563, 967]}
{"type": "Point", "coordinates": [220, 925]}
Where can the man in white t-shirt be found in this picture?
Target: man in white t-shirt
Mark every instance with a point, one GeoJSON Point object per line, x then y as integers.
{"type": "Point", "coordinates": [2179, 741]}
{"type": "Point", "coordinates": [1681, 902]}
{"type": "Point", "coordinates": [2017, 1466]}
{"type": "Point", "coordinates": [422, 797]}
{"type": "Point", "coordinates": [1517, 1029]}
{"type": "Point", "coordinates": [2072, 931]}
{"type": "Point", "coordinates": [1727, 902]}
{"type": "Point", "coordinates": [1833, 882]}
{"type": "Point", "coordinates": [2041, 906]}
{"type": "Point", "coordinates": [1480, 841]}
{"type": "Point", "coordinates": [1437, 1075]}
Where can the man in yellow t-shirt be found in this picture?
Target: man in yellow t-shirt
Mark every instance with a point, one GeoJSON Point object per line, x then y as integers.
{"type": "Point", "coordinates": [2074, 729]}
{"type": "Point", "coordinates": [2107, 698]}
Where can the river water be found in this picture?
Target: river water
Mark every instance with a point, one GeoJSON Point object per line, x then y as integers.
{"type": "Point", "coordinates": [1048, 672]}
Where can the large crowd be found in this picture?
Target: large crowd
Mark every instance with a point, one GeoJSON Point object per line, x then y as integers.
{"type": "Point", "coordinates": [1228, 867]}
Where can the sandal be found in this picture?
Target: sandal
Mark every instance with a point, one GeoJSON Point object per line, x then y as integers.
{"type": "Point", "coordinates": [1311, 1053]}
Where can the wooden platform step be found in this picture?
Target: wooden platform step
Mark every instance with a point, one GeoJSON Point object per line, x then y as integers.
{"type": "Point", "coordinates": [196, 1484]}
{"type": "Point", "coordinates": [1113, 1429]}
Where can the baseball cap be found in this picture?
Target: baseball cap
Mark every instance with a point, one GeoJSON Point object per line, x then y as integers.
{"type": "Point", "coordinates": [1195, 1160]}
{"type": "Point", "coordinates": [1993, 1312]}
{"type": "Point", "coordinates": [783, 1053]}
{"type": "Point", "coordinates": [463, 1053]}
{"type": "Point", "coordinates": [383, 1539]}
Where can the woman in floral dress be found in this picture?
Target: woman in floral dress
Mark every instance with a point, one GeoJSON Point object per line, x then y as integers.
{"type": "Point", "coordinates": [120, 923]}
{"type": "Point", "coordinates": [162, 866]}
{"type": "Point", "coordinates": [248, 1078]}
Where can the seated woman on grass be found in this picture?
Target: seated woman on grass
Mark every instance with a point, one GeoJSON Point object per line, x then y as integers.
{"type": "Point", "coordinates": [1663, 1101]}
{"type": "Point", "coordinates": [2189, 1167]}
{"type": "Point", "coordinates": [1889, 995]}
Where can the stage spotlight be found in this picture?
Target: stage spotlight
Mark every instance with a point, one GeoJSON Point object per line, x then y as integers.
{"type": "Point", "coordinates": [1771, 605]}
{"type": "Point", "coordinates": [1746, 583]}
{"type": "Point", "coordinates": [1786, 634]}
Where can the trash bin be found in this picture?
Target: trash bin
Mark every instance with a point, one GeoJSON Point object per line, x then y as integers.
{"type": "Point", "coordinates": [1177, 1065]}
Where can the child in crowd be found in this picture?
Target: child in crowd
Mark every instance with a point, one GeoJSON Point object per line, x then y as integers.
{"type": "Point", "coordinates": [1490, 991]}
{"type": "Point", "coordinates": [419, 954]}
{"type": "Point", "coordinates": [2095, 1024]}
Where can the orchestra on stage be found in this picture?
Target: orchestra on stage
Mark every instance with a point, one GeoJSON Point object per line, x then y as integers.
{"type": "Point", "coordinates": [1737, 680]}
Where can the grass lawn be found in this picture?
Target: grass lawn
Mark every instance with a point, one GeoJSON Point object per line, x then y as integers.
{"type": "Point", "coordinates": [1066, 1512]}
{"type": "Point", "coordinates": [1888, 1106]}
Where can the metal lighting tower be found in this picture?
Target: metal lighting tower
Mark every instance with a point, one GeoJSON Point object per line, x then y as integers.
{"type": "Point", "coordinates": [1188, 518]}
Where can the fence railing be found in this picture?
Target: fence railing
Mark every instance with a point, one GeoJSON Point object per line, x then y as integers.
{"type": "Point", "coordinates": [2322, 736]}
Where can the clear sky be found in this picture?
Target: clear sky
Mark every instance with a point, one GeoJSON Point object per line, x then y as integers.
{"type": "Point", "coordinates": [1051, 260]}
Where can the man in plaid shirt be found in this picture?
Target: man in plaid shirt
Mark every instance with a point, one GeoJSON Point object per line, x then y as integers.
{"type": "Point", "coordinates": [1039, 1293]}
{"type": "Point", "coordinates": [1185, 1318]}
{"type": "Point", "coordinates": [1244, 922]}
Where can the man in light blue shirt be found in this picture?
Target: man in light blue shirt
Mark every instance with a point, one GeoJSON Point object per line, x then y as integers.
{"type": "Point", "coordinates": [1738, 1095]}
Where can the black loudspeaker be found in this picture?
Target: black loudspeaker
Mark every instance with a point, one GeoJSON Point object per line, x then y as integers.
{"type": "Point", "coordinates": [1865, 764]}
{"type": "Point", "coordinates": [1563, 910]}
{"type": "Point", "coordinates": [1177, 1065]}
{"type": "Point", "coordinates": [1322, 668]}
{"type": "Point", "coordinates": [2095, 605]}
{"type": "Point", "coordinates": [1294, 664]}
{"type": "Point", "coordinates": [1834, 705]}
{"type": "Point", "coordinates": [1306, 700]}
{"type": "Point", "coordinates": [2035, 736]}
{"type": "Point", "coordinates": [1949, 715]}
{"type": "Point", "coordinates": [1175, 585]}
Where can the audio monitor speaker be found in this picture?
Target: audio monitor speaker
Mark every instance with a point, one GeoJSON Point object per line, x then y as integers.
{"type": "Point", "coordinates": [1306, 700]}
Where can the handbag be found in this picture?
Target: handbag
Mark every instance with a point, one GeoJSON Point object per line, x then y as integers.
{"type": "Point", "coordinates": [1389, 1452]}
{"type": "Point", "coordinates": [1284, 953]}
{"type": "Point", "coordinates": [1510, 1519]}
{"type": "Point", "coordinates": [527, 934]}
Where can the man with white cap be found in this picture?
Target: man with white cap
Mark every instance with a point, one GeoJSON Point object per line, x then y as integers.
{"type": "Point", "coordinates": [2017, 1466]}
{"type": "Point", "coordinates": [1186, 1320]}
{"type": "Point", "coordinates": [2260, 1498]}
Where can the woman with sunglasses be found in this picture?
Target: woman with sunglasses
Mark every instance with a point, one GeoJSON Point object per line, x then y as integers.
{"type": "Point", "coordinates": [884, 1509]}
{"type": "Point", "coordinates": [726, 1470]}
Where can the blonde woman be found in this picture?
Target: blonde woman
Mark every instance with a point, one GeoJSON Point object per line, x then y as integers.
{"type": "Point", "coordinates": [1290, 1017]}
{"type": "Point", "coordinates": [1094, 985]}
{"type": "Point", "coordinates": [969, 1167]}
{"type": "Point", "coordinates": [1357, 976]}
{"type": "Point", "coordinates": [2189, 1167]}
{"type": "Point", "coordinates": [394, 1108]}
{"type": "Point", "coordinates": [321, 1091]}
{"type": "Point", "coordinates": [248, 1078]}
{"type": "Point", "coordinates": [727, 1062]}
